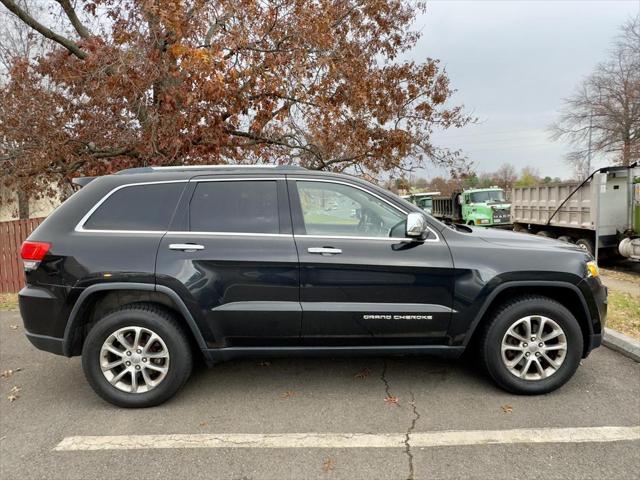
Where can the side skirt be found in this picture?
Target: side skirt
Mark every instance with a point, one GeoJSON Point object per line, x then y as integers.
{"type": "Point", "coordinates": [215, 355]}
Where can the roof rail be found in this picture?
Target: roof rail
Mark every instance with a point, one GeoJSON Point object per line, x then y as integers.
{"type": "Point", "coordinates": [179, 168]}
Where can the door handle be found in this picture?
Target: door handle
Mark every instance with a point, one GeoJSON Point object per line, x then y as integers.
{"type": "Point", "coordinates": [324, 250]}
{"type": "Point", "coordinates": [187, 247]}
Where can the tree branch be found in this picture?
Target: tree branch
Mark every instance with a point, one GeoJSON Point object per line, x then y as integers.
{"type": "Point", "coordinates": [73, 18]}
{"type": "Point", "coordinates": [44, 31]}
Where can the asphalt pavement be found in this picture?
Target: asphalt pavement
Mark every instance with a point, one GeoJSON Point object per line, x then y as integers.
{"type": "Point", "coordinates": [402, 401]}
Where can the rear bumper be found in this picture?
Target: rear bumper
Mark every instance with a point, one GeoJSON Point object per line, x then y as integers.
{"type": "Point", "coordinates": [40, 308]}
{"type": "Point", "coordinates": [48, 344]}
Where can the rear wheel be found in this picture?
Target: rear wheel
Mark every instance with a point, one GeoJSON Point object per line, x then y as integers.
{"type": "Point", "coordinates": [565, 238]}
{"type": "Point", "coordinates": [137, 356]}
{"type": "Point", "coordinates": [546, 233]}
{"type": "Point", "coordinates": [533, 345]}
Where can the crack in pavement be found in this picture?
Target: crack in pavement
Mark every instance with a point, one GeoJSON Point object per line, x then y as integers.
{"type": "Point", "coordinates": [412, 426]}
{"type": "Point", "coordinates": [407, 437]}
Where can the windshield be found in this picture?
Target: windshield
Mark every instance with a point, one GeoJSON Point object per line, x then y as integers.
{"type": "Point", "coordinates": [486, 197]}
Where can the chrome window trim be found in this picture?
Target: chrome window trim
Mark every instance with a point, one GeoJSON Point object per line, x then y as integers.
{"type": "Point", "coordinates": [229, 234]}
{"type": "Point", "coordinates": [382, 239]}
{"type": "Point", "coordinates": [299, 179]}
{"type": "Point", "coordinates": [80, 226]}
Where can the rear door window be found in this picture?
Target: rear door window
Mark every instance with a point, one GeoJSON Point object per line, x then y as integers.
{"type": "Point", "coordinates": [137, 207]}
{"type": "Point", "coordinates": [249, 206]}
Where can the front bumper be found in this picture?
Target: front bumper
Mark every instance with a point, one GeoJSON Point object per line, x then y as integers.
{"type": "Point", "coordinates": [595, 294]}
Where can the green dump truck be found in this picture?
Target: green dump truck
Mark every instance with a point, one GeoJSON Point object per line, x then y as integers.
{"type": "Point", "coordinates": [424, 200]}
{"type": "Point", "coordinates": [485, 207]}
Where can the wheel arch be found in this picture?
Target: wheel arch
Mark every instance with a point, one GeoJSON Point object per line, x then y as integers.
{"type": "Point", "coordinates": [97, 299]}
{"type": "Point", "coordinates": [565, 293]}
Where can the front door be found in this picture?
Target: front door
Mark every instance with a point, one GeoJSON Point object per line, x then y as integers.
{"type": "Point", "coordinates": [361, 281]}
{"type": "Point", "coordinates": [231, 255]}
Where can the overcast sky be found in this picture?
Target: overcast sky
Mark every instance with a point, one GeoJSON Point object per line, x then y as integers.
{"type": "Point", "coordinates": [512, 63]}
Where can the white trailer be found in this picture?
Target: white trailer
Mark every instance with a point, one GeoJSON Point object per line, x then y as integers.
{"type": "Point", "coordinates": [601, 213]}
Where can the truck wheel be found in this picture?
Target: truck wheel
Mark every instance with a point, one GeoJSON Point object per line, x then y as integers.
{"type": "Point", "coordinates": [565, 238]}
{"type": "Point", "coordinates": [586, 244]}
{"type": "Point", "coordinates": [533, 345]}
{"type": "Point", "coordinates": [471, 222]}
{"type": "Point", "coordinates": [137, 356]}
{"type": "Point", "coordinates": [546, 233]}
{"type": "Point", "coordinates": [517, 227]}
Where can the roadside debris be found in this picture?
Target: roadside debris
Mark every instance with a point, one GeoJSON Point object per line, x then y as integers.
{"type": "Point", "coordinates": [507, 409]}
{"type": "Point", "coordinates": [14, 393]}
{"type": "Point", "coordinates": [9, 373]}
{"type": "Point", "coordinates": [329, 464]}
{"type": "Point", "coordinates": [362, 374]}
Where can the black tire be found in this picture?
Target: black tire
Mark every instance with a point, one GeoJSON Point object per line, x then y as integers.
{"type": "Point", "coordinates": [565, 238]}
{"type": "Point", "coordinates": [546, 233]}
{"type": "Point", "coordinates": [160, 321]}
{"type": "Point", "coordinates": [509, 313]}
{"type": "Point", "coordinates": [586, 244]}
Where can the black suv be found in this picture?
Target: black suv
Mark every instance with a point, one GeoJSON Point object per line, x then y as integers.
{"type": "Point", "coordinates": [142, 271]}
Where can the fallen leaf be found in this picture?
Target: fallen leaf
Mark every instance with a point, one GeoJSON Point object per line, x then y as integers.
{"type": "Point", "coordinates": [264, 364]}
{"type": "Point", "coordinates": [13, 327]}
{"type": "Point", "coordinates": [364, 373]}
{"type": "Point", "coordinates": [203, 424]}
{"type": "Point", "coordinates": [287, 394]}
{"type": "Point", "coordinates": [507, 408]}
{"type": "Point", "coordinates": [14, 393]}
{"type": "Point", "coordinates": [10, 372]}
{"type": "Point", "coordinates": [328, 464]}
{"type": "Point", "coordinates": [391, 400]}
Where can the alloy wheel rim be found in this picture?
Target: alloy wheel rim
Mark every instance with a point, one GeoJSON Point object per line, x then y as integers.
{"type": "Point", "coordinates": [134, 359]}
{"type": "Point", "coordinates": [534, 348]}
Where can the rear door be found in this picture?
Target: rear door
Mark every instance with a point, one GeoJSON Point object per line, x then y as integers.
{"type": "Point", "coordinates": [362, 282]}
{"type": "Point", "coordinates": [231, 254]}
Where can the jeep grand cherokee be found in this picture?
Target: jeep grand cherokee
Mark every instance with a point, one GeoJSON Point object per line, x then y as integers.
{"type": "Point", "coordinates": [144, 270]}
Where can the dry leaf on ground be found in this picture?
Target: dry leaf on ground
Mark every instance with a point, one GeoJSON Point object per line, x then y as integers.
{"type": "Point", "coordinates": [391, 400]}
{"type": "Point", "coordinates": [14, 393]}
{"type": "Point", "coordinates": [507, 408]}
{"type": "Point", "coordinates": [364, 373]}
{"type": "Point", "coordinates": [13, 327]}
{"type": "Point", "coordinates": [287, 394]}
{"type": "Point", "coordinates": [8, 373]}
{"type": "Point", "coordinates": [328, 464]}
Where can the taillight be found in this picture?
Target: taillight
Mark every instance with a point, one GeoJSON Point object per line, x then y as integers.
{"type": "Point", "coordinates": [32, 253]}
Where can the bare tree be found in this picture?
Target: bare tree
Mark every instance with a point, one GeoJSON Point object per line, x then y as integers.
{"type": "Point", "coordinates": [603, 116]}
{"type": "Point", "coordinates": [505, 176]}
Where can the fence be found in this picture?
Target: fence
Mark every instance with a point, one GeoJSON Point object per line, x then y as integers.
{"type": "Point", "coordinates": [12, 234]}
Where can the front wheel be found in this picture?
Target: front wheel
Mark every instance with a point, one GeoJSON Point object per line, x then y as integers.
{"type": "Point", "coordinates": [533, 345]}
{"type": "Point", "coordinates": [137, 356]}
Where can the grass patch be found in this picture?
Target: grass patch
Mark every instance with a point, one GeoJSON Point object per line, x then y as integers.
{"type": "Point", "coordinates": [624, 313]}
{"type": "Point", "coordinates": [9, 301]}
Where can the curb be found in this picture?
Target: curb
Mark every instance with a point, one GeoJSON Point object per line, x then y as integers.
{"type": "Point", "coordinates": [622, 343]}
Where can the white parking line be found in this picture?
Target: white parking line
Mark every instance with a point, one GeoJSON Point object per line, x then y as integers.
{"type": "Point", "coordinates": [351, 440]}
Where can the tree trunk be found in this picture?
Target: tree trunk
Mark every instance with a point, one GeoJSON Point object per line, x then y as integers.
{"type": "Point", "coordinates": [23, 205]}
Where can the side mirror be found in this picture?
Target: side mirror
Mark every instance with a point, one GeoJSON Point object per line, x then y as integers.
{"type": "Point", "coordinates": [416, 225]}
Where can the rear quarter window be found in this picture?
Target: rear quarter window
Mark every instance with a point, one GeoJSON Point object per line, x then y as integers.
{"type": "Point", "coordinates": [137, 207]}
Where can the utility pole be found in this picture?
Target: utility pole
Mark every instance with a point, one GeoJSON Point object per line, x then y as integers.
{"type": "Point", "coordinates": [586, 174]}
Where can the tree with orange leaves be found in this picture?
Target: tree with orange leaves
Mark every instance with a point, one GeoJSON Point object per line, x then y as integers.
{"type": "Point", "coordinates": [134, 82]}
